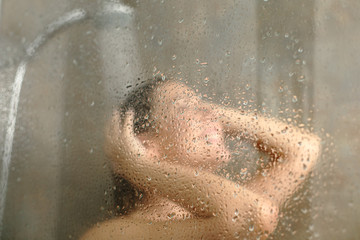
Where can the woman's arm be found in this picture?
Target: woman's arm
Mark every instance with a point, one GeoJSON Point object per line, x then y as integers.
{"type": "Point", "coordinates": [234, 208]}
{"type": "Point", "coordinates": [130, 228]}
{"type": "Point", "coordinates": [297, 151]}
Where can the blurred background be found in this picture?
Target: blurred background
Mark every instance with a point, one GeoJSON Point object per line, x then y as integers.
{"type": "Point", "coordinates": [296, 60]}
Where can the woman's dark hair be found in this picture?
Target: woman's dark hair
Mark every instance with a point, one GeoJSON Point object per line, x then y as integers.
{"type": "Point", "coordinates": [140, 100]}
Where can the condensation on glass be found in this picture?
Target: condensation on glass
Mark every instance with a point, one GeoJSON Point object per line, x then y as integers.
{"type": "Point", "coordinates": [73, 64]}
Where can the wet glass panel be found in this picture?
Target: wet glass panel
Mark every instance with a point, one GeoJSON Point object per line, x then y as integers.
{"type": "Point", "coordinates": [184, 119]}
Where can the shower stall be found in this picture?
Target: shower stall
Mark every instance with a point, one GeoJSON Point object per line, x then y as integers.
{"type": "Point", "coordinates": [64, 66]}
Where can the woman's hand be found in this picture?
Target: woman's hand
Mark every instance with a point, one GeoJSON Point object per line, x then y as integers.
{"type": "Point", "coordinates": [299, 149]}
{"type": "Point", "coordinates": [121, 144]}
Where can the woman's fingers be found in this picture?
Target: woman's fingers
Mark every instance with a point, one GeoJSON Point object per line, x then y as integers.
{"type": "Point", "coordinates": [115, 122]}
{"type": "Point", "coordinates": [113, 134]}
{"type": "Point", "coordinates": [129, 136]}
{"type": "Point", "coordinates": [128, 125]}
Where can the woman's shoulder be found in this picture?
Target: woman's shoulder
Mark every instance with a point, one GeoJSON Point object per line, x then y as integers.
{"type": "Point", "coordinates": [110, 229]}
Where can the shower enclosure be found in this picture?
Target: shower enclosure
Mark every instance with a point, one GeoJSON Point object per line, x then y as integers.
{"type": "Point", "coordinates": [64, 65]}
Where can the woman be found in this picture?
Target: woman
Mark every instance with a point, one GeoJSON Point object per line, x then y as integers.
{"type": "Point", "coordinates": [170, 147]}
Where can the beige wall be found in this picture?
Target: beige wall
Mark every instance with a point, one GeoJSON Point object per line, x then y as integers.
{"type": "Point", "coordinates": [32, 203]}
{"type": "Point", "coordinates": [337, 98]}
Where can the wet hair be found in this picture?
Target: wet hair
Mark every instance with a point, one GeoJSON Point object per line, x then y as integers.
{"type": "Point", "coordinates": [140, 100]}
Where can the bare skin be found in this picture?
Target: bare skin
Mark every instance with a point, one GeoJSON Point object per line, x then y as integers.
{"type": "Point", "coordinates": [174, 163]}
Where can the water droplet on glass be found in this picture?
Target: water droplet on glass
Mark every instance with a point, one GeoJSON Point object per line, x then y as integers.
{"type": "Point", "coordinates": [300, 50]}
{"type": "Point", "coordinates": [243, 172]}
{"type": "Point", "coordinates": [304, 166]}
{"type": "Point", "coordinates": [251, 228]}
{"type": "Point", "coordinates": [206, 80]}
{"type": "Point", "coordinates": [160, 42]}
{"type": "Point", "coordinates": [171, 215]}
{"type": "Point", "coordinates": [196, 173]}
{"type": "Point", "coordinates": [294, 99]}
{"type": "Point", "coordinates": [286, 35]}
{"type": "Point", "coordinates": [92, 104]}
{"type": "Point", "coordinates": [311, 227]}
{"type": "Point", "coordinates": [301, 78]}
{"type": "Point", "coordinates": [284, 130]}
{"type": "Point", "coordinates": [91, 150]}
{"type": "Point", "coordinates": [227, 53]}
{"type": "Point", "coordinates": [173, 57]}
{"type": "Point", "coordinates": [236, 212]}
{"type": "Point", "coordinates": [181, 20]}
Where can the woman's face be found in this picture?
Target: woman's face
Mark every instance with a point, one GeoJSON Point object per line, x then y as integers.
{"type": "Point", "coordinates": [188, 129]}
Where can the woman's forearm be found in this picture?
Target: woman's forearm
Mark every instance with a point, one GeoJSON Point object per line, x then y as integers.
{"type": "Point", "coordinates": [202, 193]}
{"type": "Point", "coordinates": [270, 131]}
